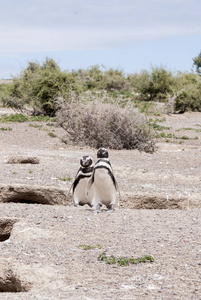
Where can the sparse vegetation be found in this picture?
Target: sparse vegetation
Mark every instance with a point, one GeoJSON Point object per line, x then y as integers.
{"type": "Point", "coordinates": [184, 137]}
{"type": "Point", "coordinates": [124, 261]}
{"type": "Point", "coordinates": [147, 108]}
{"type": "Point", "coordinates": [65, 178]}
{"type": "Point", "coordinates": [21, 118]}
{"type": "Point", "coordinates": [35, 126]}
{"type": "Point", "coordinates": [155, 126]}
{"type": "Point", "coordinates": [51, 134]}
{"type": "Point", "coordinates": [189, 129]}
{"type": "Point", "coordinates": [5, 128]}
{"type": "Point", "coordinates": [173, 136]}
{"type": "Point", "coordinates": [42, 118]}
{"type": "Point", "coordinates": [89, 247]}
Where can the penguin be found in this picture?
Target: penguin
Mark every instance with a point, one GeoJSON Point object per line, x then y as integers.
{"type": "Point", "coordinates": [102, 187]}
{"type": "Point", "coordinates": [81, 180]}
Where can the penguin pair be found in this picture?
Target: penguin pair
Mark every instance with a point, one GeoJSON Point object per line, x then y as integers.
{"type": "Point", "coordinates": [96, 185]}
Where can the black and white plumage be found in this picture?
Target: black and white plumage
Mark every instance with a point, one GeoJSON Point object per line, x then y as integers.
{"type": "Point", "coordinates": [102, 187]}
{"type": "Point", "coordinates": [80, 183]}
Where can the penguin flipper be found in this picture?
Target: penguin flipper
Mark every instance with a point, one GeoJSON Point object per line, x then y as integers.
{"type": "Point", "coordinates": [118, 190]}
{"type": "Point", "coordinates": [116, 185]}
{"type": "Point", "coordinates": [71, 187]}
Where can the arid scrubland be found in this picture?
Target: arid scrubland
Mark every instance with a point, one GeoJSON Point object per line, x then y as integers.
{"type": "Point", "coordinates": [149, 247]}
{"type": "Point", "coordinates": [159, 216]}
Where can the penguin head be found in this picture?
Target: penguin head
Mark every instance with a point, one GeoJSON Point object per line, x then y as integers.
{"type": "Point", "coordinates": [102, 153]}
{"type": "Point", "coordinates": [86, 161]}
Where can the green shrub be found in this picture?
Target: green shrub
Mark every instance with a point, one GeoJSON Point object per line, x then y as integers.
{"type": "Point", "coordinates": [38, 88]}
{"type": "Point", "coordinates": [96, 78]}
{"type": "Point", "coordinates": [197, 63]}
{"type": "Point", "coordinates": [5, 90]}
{"type": "Point", "coordinates": [154, 85]}
{"type": "Point", "coordinates": [140, 83]}
{"type": "Point", "coordinates": [161, 83]}
{"type": "Point", "coordinates": [189, 99]}
{"type": "Point", "coordinates": [93, 77]}
{"type": "Point", "coordinates": [114, 80]}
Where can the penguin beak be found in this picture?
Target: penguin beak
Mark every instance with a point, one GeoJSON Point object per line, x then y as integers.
{"type": "Point", "coordinates": [86, 161]}
{"type": "Point", "coordinates": [102, 153]}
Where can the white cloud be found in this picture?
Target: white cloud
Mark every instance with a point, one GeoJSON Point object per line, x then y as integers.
{"type": "Point", "coordinates": [42, 40]}
{"type": "Point", "coordinates": [48, 25]}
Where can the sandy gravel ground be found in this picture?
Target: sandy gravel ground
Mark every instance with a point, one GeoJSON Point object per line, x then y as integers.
{"type": "Point", "coordinates": [44, 250]}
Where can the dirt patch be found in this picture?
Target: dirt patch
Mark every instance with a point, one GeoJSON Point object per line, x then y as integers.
{"type": "Point", "coordinates": [9, 280]}
{"type": "Point", "coordinates": [23, 160]}
{"type": "Point", "coordinates": [45, 251]}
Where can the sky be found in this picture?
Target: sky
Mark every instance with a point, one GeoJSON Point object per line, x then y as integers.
{"type": "Point", "coordinates": [130, 35]}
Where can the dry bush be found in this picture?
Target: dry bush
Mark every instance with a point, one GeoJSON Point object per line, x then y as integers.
{"type": "Point", "coordinates": [98, 124]}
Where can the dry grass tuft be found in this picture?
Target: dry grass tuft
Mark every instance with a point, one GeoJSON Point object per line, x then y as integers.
{"type": "Point", "coordinates": [98, 124]}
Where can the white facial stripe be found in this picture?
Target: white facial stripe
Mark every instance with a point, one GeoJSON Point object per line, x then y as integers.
{"type": "Point", "coordinates": [86, 158]}
{"type": "Point", "coordinates": [104, 164]}
{"type": "Point", "coordinates": [84, 174]}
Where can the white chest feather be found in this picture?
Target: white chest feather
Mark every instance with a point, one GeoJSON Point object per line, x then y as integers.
{"type": "Point", "coordinates": [79, 194]}
{"type": "Point", "coordinates": [104, 188]}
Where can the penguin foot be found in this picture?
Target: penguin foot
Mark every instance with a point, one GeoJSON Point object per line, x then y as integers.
{"type": "Point", "coordinates": [110, 208]}
{"type": "Point", "coordinates": [97, 208]}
